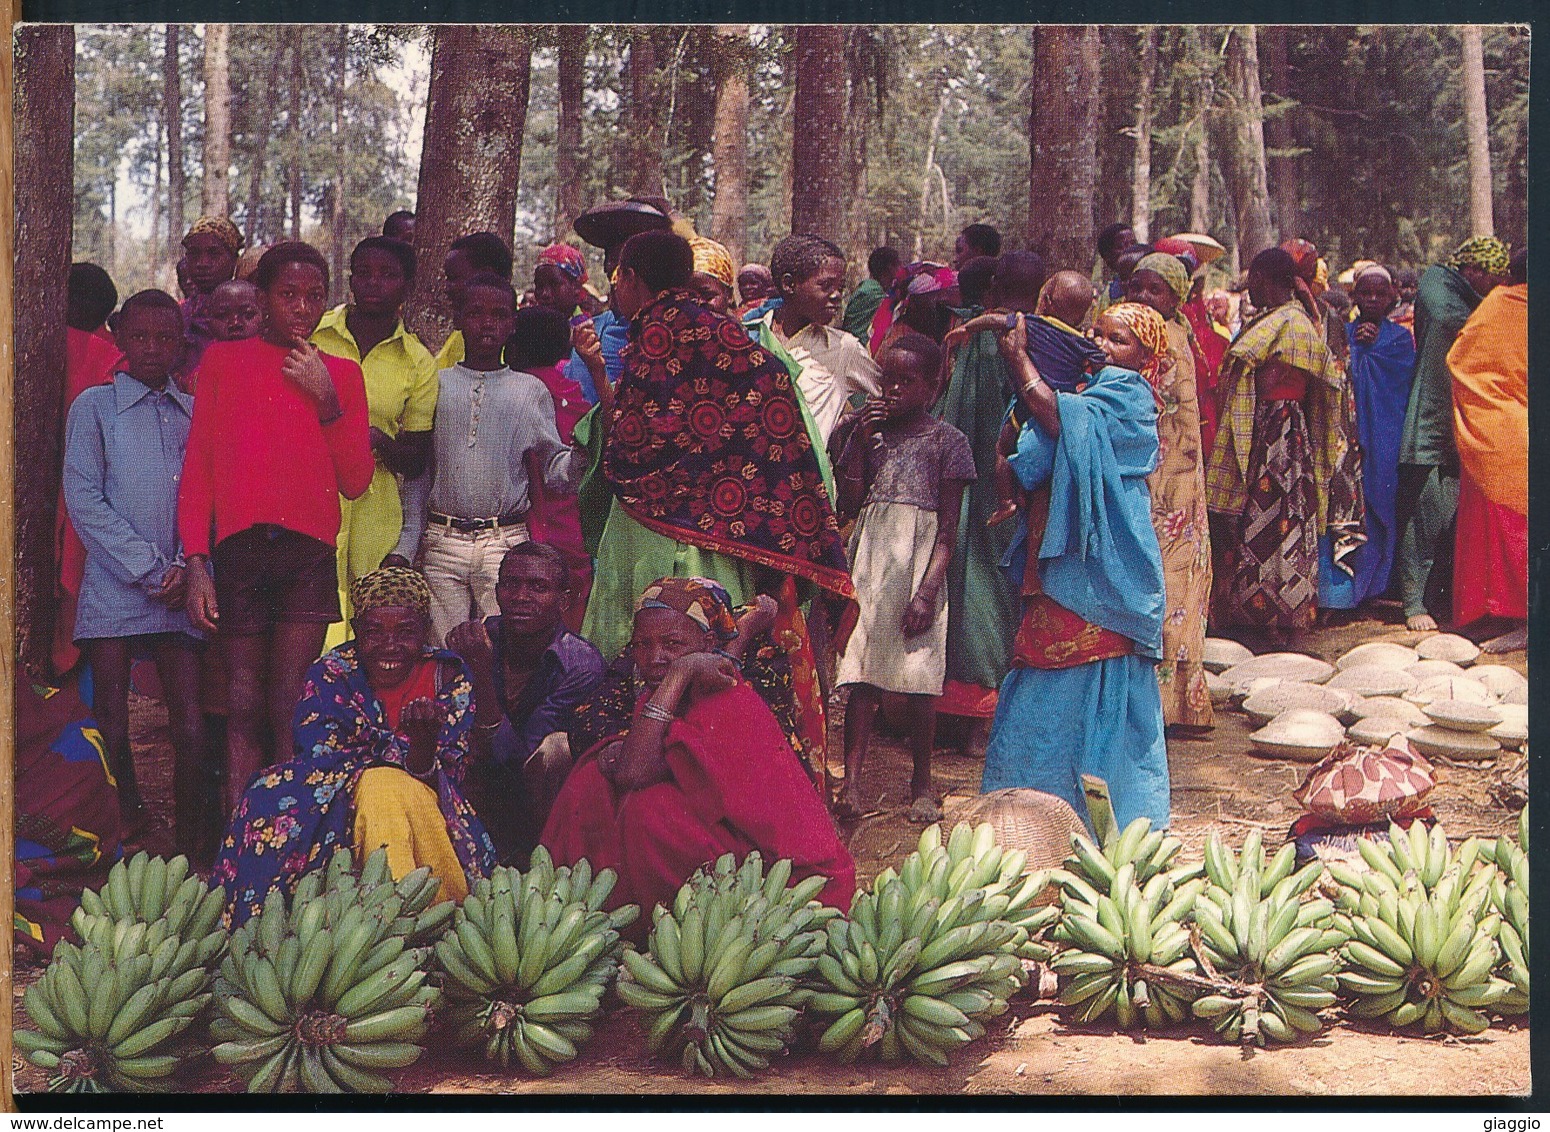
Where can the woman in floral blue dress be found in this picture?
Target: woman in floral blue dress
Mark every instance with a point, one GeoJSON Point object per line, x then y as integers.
{"type": "Point", "coordinates": [381, 739]}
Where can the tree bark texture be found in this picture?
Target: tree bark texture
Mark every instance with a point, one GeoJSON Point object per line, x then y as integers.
{"type": "Point", "coordinates": [293, 131]}
{"type": "Point", "coordinates": [1478, 132]}
{"type": "Point", "coordinates": [818, 155]}
{"type": "Point", "coordinates": [336, 221]}
{"type": "Point", "coordinates": [645, 149]}
{"type": "Point", "coordinates": [1062, 143]}
{"type": "Point", "coordinates": [44, 198]}
{"type": "Point", "coordinates": [1283, 168]}
{"type": "Point", "coordinates": [1246, 135]}
{"type": "Point", "coordinates": [729, 207]}
{"type": "Point", "coordinates": [567, 137]}
{"type": "Point", "coordinates": [1200, 185]}
{"type": "Point", "coordinates": [858, 118]}
{"type": "Point", "coordinates": [1141, 170]}
{"type": "Point", "coordinates": [172, 110]}
{"type": "Point", "coordinates": [215, 193]}
{"type": "Point", "coordinates": [472, 155]}
{"type": "Point", "coordinates": [259, 226]}
{"type": "Point", "coordinates": [925, 176]}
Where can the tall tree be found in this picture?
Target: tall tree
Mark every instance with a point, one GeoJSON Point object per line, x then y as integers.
{"type": "Point", "coordinates": [1063, 144]}
{"type": "Point", "coordinates": [293, 129]}
{"type": "Point", "coordinates": [258, 159]}
{"type": "Point", "coordinates": [1141, 175]}
{"type": "Point", "coordinates": [818, 165]}
{"type": "Point", "coordinates": [572, 66]}
{"type": "Point", "coordinates": [339, 189]}
{"type": "Point", "coordinates": [44, 112]}
{"type": "Point", "coordinates": [644, 164]}
{"type": "Point", "coordinates": [729, 207]}
{"type": "Point", "coordinates": [471, 159]}
{"type": "Point", "coordinates": [927, 181]}
{"type": "Point", "coordinates": [215, 192]}
{"type": "Point", "coordinates": [1280, 141]}
{"type": "Point", "coordinates": [1200, 183]}
{"type": "Point", "coordinates": [1245, 133]}
{"type": "Point", "coordinates": [1477, 131]}
{"type": "Point", "coordinates": [172, 109]}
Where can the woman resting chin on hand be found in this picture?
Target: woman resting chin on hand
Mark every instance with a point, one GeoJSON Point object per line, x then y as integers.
{"type": "Point", "coordinates": [683, 762]}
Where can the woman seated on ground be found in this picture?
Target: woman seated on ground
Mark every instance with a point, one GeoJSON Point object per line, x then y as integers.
{"type": "Point", "coordinates": [680, 761]}
{"type": "Point", "coordinates": [381, 738]}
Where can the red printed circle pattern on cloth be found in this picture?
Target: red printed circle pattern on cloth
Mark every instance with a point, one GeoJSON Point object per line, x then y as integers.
{"type": "Point", "coordinates": [1356, 784]}
{"type": "Point", "coordinates": [708, 445]}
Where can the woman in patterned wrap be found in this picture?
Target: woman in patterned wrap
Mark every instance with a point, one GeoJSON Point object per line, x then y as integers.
{"type": "Point", "coordinates": [381, 738]}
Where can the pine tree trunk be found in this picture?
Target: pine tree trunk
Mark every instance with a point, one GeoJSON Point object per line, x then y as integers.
{"type": "Point", "coordinates": [472, 156]}
{"type": "Point", "coordinates": [818, 153]}
{"type": "Point", "coordinates": [1477, 130]}
{"type": "Point", "coordinates": [172, 111]}
{"type": "Point", "coordinates": [1141, 170]}
{"type": "Point", "coordinates": [567, 137]}
{"type": "Point", "coordinates": [260, 227]}
{"type": "Point", "coordinates": [1246, 136]}
{"type": "Point", "coordinates": [729, 207]}
{"type": "Point", "coordinates": [44, 199]}
{"type": "Point", "coordinates": [645, 150]}
{"type": "Point", "coordinates": [1285, 185]}
{"type": "Point", "coordinates": [156, 243]}
{"type": "Point", "coordinates": [336, 231]}
{"type": "Point", "coordinates": [293, 133]}
{"type": "Point", "coordinates": [1062, 142]}
{"type": "Point", "coordinates": [1200, 184]}
{"type": "Point", "coordinates": [215, 197]}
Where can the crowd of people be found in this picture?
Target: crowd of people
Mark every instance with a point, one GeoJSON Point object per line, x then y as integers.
{"type": "Point", "coordinates": [595, 572]}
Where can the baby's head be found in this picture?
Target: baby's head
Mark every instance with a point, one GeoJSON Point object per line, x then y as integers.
{"type": "Point", "coordinates": [233, 310]}
{"type": "Point", "coordinates": [1068, 295]}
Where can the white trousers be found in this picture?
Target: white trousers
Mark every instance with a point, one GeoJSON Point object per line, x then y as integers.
{"type": "Point", "coordinates": [461, 567]}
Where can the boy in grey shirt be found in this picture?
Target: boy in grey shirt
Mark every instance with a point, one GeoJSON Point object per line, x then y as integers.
{"type": "Point", "coordinates": [494, 428]}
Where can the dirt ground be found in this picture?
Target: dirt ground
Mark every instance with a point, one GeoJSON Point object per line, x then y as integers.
{"type": "Point", "coordinates": [1217, 785]}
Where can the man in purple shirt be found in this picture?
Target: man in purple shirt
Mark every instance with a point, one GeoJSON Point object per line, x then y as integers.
{"type": "Point", "coordinates": [529, 675]}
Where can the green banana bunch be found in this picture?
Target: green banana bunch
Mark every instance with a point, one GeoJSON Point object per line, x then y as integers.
{"type": "Point", "coordinates": [1121, 948]}
{"type": "Point", "coordinates": [1418, 854]}
{"type": "Point", "coordinates": [108, 1019]}
{"type": "Point", "coordinates": [1509, 896]}
{"type": "Point", "coordinates": [149, 900]}
{"type": "Point", "coordinates": [1419, 957]}
{"type": "Point", "coordinates": [720, 985]}
{"type": "Point", "coordinates": [1275, 950]}
{"type": "Point", "coordinates": [527, 961]}
{"type": "Point", "coordinates": [325, 993]}
{"type": "Point", "coordinates": [932, 951]}
{"type": "Point", "coordinates": [1090, 870]}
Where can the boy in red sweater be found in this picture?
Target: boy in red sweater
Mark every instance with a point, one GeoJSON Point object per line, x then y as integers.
{"type": "Point", "coordinates": [279, 433]}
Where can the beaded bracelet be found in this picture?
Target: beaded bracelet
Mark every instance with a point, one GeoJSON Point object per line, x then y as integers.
{"type": "Point", "coordinates": [651, 710]}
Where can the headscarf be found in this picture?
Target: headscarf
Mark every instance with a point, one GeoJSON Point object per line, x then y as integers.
{"type": "Point", "coordinates": [1485, 252]}
{"type": "Point", "coordinates": [1305, 255]}
{"type": "Point", "coordinates": [713, 259]}
{"type": "Point", "coordinates": [1307, 283]}
{"type": "Point", "coordinates": [1372, 269]}
{"type": "Point", "coordinates": [924, 278]}
{"type": "Point", "coordinates": [395, 586]}
{"type": "Point", "coordinates": [219, 227]}
{"type": "Point", "coordinates": [1170, 268]}
{"type": "Point", "coordinates": [702, 600]}
{"type": "Point", "coordinates": [1149, 327]}
{"type": "Point", "coordinates": [567, 259]}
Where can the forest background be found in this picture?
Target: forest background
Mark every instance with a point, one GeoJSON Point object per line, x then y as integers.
{"type": "Point", "coordinates": [1384, 142]}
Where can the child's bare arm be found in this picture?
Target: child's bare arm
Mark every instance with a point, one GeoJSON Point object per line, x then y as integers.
{"type": "Point", "coordinates": [991, 320]}
{"type": "Point", "coordinates": [922, 609]}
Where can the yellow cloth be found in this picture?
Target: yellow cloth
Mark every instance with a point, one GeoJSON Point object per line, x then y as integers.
{"type": "Point", "coordinates": [401, 387]}
{"type": "Point", "coordinates": [1489, 362]}
{"type": "Point", "coordinates": [394, 809]}
{"type": "Point", "coordinates": [452, 351]}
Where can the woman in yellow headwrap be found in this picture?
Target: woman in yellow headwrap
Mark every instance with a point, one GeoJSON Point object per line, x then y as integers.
{"type": "Point", "coordinates": [1159, 283]}
{"type": "Point", "coordinates": [713, 277]}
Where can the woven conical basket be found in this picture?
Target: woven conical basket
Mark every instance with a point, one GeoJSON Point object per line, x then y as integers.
{"type": "Point", "coordinates": [1039, 824]}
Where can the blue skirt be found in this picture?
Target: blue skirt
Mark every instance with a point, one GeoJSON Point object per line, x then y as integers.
{"type": "Point", "coordinates": [1104, 718]}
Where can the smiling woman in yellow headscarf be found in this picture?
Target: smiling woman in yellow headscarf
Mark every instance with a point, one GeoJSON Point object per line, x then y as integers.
{"type": "Point", "coordinates": [713, 275]}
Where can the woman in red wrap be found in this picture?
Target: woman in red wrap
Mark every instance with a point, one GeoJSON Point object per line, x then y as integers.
{"type": "Point", "coordinates": [681, 762]}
